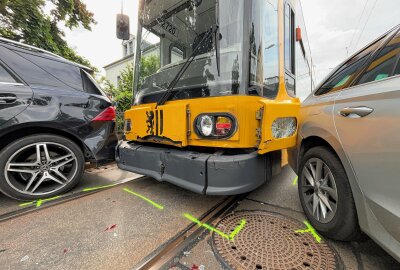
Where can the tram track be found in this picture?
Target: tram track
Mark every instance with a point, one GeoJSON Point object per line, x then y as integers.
{"type": "Point", "coordinates": [165, 254]}
{"type": "Point", "coordinates": [63, 199]}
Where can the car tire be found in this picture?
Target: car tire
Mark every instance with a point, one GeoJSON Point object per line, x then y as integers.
{"type": "Point", "coordinates": [57, 172]}
{"type": "Point", "coordinates": [340, 221]}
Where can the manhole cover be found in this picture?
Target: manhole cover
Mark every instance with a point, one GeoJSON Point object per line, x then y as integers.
{"type": "Point", "coordinates": [269, 241]}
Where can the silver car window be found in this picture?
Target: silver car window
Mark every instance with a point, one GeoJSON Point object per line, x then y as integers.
{"type": "Point", "coordinates": [384, 63]}
{"type": "Point", "coordinates": [397, 70]}
{"type": "Point", "coordinates": [348, 72]}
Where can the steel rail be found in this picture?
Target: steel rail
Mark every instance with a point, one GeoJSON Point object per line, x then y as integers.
{"type": "Point", "coordinates": [161, 257]}
{"type": "Point", "coordinates": [63, 199]}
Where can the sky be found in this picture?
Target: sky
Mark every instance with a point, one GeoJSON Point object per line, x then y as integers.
{"type": "Point", "coordinates": [336, 26]}
{"type": "Point", "coordinates": [336, 29]}
{"type": "Point", "coordinates": [101, 46]}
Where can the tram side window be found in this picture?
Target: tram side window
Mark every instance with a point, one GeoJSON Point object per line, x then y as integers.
{"type": "Point", "coordinates": [264, 49]}
{"type": "Point", "coordinates": [304, 79]}
{"type": "Point", "coordinates": [270, 49]}
{"type": "Point", "coordinates": [290, 50]}
{"type": "Point", "coordinates": [289, 39]}
{"type": "Point", "coordinates": [384, 63]}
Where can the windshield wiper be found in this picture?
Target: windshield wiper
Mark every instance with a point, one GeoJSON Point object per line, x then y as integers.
{"type": "Point", "coordinates": [213, 30]}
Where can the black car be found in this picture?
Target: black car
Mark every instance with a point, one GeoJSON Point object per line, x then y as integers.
{"type": "Point", "coordinates": [53, 119]}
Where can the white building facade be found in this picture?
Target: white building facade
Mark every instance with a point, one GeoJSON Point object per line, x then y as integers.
{"type": "Point", "coordinates": [114, 69]}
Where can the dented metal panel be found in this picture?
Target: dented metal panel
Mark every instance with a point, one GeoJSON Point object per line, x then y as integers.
{"type": "Point", "coordinates": [273, 111]}
{"type": "Point", "coordinates": [164, 124]}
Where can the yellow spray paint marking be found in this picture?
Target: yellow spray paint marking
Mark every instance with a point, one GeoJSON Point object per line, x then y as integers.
{"type": "Point", "coordinates": [295, 181]}
{"type": "Point", "coordinates": [230, 237]}
{"type": "Point", "coordinates": [145, 199]}
{"type": "Point", "coordinates": [40, 201]}
{"type": "Point", "coordinates": [97, 188]}
{"type": "Point", "coordinates": [311, 230]}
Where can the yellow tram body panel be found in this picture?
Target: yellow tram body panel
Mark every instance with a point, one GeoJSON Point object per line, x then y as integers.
{"type": "Point", "coordinates": [168, 143]}
{"type": "Point", "coordinates": [174, 122]}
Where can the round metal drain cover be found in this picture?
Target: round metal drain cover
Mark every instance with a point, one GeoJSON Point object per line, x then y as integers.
{"type": "Point", "coordinates": [269, 241]}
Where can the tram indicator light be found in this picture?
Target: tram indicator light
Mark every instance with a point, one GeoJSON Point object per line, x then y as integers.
{"type": "Point", "coordinates": [298, 34]}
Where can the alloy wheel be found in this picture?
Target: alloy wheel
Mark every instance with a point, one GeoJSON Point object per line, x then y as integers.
{"type": "Point", "coordinates": [319, 191]}
{"type": "Point", "coordinates": [41, 168]}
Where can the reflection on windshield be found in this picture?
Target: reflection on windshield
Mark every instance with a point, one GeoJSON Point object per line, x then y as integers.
{"type": "Point", "coordinates": [264, 49]}
{"type": "Point", "coordinates": [171, 31]}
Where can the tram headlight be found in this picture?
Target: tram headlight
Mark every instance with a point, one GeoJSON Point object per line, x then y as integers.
{"type": "Point", "coordinates": [284, 127]}
{"type": "Point", "coordinates": [216, 126]}
{"type": "Point", "coordinates": [205, 124]}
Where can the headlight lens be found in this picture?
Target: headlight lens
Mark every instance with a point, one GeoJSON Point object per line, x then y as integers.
{"type": "Point", "coordinates": [205, 125]}
{"type": "Point", "coordinates": [215, 125]}
{"type": "Point", "coordinates": [284, 127]}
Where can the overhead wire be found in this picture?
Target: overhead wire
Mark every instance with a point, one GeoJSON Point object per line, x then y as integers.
{"type": "Point", "coordinates": [366, 22]}
{"type": "Point", "coordinates": [313, 73]}
{"type": "Point", "coordinates": [357, 26]}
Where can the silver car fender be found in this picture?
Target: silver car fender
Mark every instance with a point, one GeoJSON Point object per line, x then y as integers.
{"type": "Point", "coordinates": [308, 130]}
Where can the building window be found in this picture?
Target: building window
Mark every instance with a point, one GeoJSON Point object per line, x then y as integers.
{"type": "Point", "coordinates": [131, 47]}
{"type": "Point", "coordinates": [176, 54]}
{"type": "Point", "coordinates": [125, 49]}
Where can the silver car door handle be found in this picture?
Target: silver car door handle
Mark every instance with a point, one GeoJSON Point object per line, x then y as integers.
{"type": "Point", "coordinates": [356, 112]}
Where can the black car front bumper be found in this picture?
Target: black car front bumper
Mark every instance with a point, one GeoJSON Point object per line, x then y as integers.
{"type": "Point", "coordinates": [199, 172]}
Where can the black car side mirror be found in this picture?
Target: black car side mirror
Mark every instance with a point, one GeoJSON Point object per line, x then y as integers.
{"type": "Point", "coordinates": [123, 31]}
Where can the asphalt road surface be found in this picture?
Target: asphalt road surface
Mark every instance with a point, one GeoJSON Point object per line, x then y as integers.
{"type": "Point", "coordinates": [115, 229]}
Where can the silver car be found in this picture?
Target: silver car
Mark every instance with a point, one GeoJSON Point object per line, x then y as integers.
{"type": "Point", "coordinates": [348, 151]}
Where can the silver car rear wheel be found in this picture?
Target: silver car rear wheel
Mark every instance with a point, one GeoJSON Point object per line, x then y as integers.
{"type": "Point", "coordinates": [319, 191]}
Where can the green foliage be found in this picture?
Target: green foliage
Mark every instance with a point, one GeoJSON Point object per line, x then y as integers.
{"type": "Point", "coordinates": [26, 21]}
{"type": "Point", "coordinates": [149, 65]}
{"type": "Point", "coordinates": [122, 94]}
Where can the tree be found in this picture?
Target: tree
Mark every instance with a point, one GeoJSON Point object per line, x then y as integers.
{"type": "Point", "coordinates": [149, 65]}
{"type": "Point", "coordinates": [26, 21]}
{"type": "Point", "coordinates": [122, 94]}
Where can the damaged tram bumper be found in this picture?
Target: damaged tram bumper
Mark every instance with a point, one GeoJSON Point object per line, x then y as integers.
{"type": "Point", "coordinates": [211, 174]}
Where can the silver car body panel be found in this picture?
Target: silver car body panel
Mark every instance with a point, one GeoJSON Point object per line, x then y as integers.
{"type": "Point", "coordinates": [367, 146]}
{"type": "Point", "coordinates": [317, 120]}
{"type": "Point", "coordinates": [369, 149]}
{"type": "Point", "coordinates": [372, 145]}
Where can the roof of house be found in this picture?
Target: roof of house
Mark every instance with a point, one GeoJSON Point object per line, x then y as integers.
{"type": "Point", "coordinates": [122, 60]}
{"type": "Point", "coordinates": [147, 47]}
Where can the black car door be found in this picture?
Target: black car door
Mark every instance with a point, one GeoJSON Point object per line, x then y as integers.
{"type": "Point", "coordinates": [14, 95]}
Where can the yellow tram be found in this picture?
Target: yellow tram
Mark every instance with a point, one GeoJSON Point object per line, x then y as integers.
{"type": "Point", "coordinates": [223, 101]}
